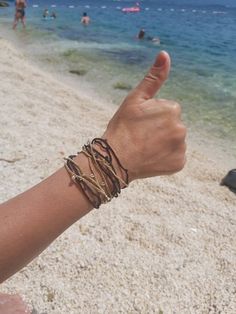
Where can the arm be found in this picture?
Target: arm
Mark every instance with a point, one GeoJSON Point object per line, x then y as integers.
{"type": "Point", "coordinates": [155, 137]}
{"type": "Point", "coordinates": [32, 220]}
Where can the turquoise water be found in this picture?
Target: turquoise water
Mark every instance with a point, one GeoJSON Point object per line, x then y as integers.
{"type": "Point", "coordinates": [201, 40]}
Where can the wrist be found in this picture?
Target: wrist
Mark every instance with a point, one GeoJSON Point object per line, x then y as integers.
{"type": "Point", "coordinates": [98, 172]}
{"type": "Point", "coordinates": [122, 154]}
{"type": "Point", "coordinates": [119, 168]}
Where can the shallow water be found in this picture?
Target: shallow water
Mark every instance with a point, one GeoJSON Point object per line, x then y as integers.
{"type": "Point", "coordinates": [200, 38]}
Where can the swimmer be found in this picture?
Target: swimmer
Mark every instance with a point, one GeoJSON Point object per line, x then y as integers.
{"type": "Point", "coordinates": [53, 15]}
{"type": "Point", "coordinates": [141, 35]}
{"type": "Point", "coordinates": [85, 19]}
{"type": "Point", "coordinates": [45, 13]}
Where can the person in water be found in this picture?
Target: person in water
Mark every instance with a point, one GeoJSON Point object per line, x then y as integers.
{"type": "Point", "coordinates": [45, 14]}
{"type": "Point", "coordinates": [141, 35]}
{"type": "Point", "coordinates": [85, 19]}
{"type": "Point", "coordinates": [19, 13]}
{"type": "Point", "coordinates": [53, 15]}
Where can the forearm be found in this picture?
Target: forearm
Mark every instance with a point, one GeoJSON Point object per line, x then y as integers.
{"type": "Point", "coordinates": [40, 214]}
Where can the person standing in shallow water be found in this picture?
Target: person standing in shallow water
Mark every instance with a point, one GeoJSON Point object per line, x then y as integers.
{"type": "Point", "coordinates": [45, 14]}
{"type": "Point", "coordinates": [85, 19]}
{"type": "Point", "coordinates": [20, 13]}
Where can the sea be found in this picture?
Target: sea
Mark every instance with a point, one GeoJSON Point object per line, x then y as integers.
{"type": "Point", "coordinates": [200, 37]}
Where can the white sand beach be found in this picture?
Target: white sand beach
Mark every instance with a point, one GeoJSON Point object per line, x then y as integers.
{"type": "Point", "coordinates": [166, 245]}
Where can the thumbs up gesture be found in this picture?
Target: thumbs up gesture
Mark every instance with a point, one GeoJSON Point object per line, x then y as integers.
{"type": "Point", "coordinates": [147, 134]}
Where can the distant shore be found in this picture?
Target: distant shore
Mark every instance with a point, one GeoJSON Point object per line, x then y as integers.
{"type": "Point", "coordinates": [166, 245]}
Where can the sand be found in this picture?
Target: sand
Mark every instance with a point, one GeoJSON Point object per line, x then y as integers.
{"type": "Point", "coordinates": [167, 245]}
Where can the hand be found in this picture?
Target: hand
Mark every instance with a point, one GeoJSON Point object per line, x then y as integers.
{"type": "Point", "coordinates": [146, 133]}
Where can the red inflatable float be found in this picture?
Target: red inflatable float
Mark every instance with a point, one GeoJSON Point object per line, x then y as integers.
{"type": "Point", "coordinates": [135, 8]}
{"type": "Point", "coordinates": [132, 9]}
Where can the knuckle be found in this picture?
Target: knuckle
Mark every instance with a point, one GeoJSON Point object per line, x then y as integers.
{"type": "Point", "coordinates": [150, 78]}
{"type": "Point", "coordinates": [179, 134]}
{"type": "Point", "coordinates": [180, 163]}
{"type": "Point", "coordinates": [180, 166]}
{"type": "Point", "coordinates": [171, 106]}
{"type": "Point", "coordinates": [175, 108]}
{"type": "Point", "coordinates": [182, 131]}
{"type": "Point", "coordinates": [152, 102]}
{"type": "Point", "coordinates": [156, 75]}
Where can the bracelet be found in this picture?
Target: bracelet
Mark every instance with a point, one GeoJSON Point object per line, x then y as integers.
{"type": "Point", "coordinates": [103, 183]}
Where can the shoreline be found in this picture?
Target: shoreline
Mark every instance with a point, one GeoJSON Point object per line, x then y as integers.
{"type": "Point", "coordinates": [167, 248]}
{"type": "Point", "coordinates": [204, 110]}
{"type": "Point", "coordinates": [201, 139]}
{"type": "Point", "coordinates": [40, 62]}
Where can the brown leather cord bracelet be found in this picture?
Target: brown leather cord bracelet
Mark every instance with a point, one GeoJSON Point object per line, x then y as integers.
{"type": "Point", "coordinates": [103, 182]}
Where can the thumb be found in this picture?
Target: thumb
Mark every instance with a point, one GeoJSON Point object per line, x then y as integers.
{"type": "Point", "coordinates": [155, 78]}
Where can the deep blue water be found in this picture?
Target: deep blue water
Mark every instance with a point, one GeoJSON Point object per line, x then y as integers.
{"type": "Point", "coordinates": [199, 35]}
